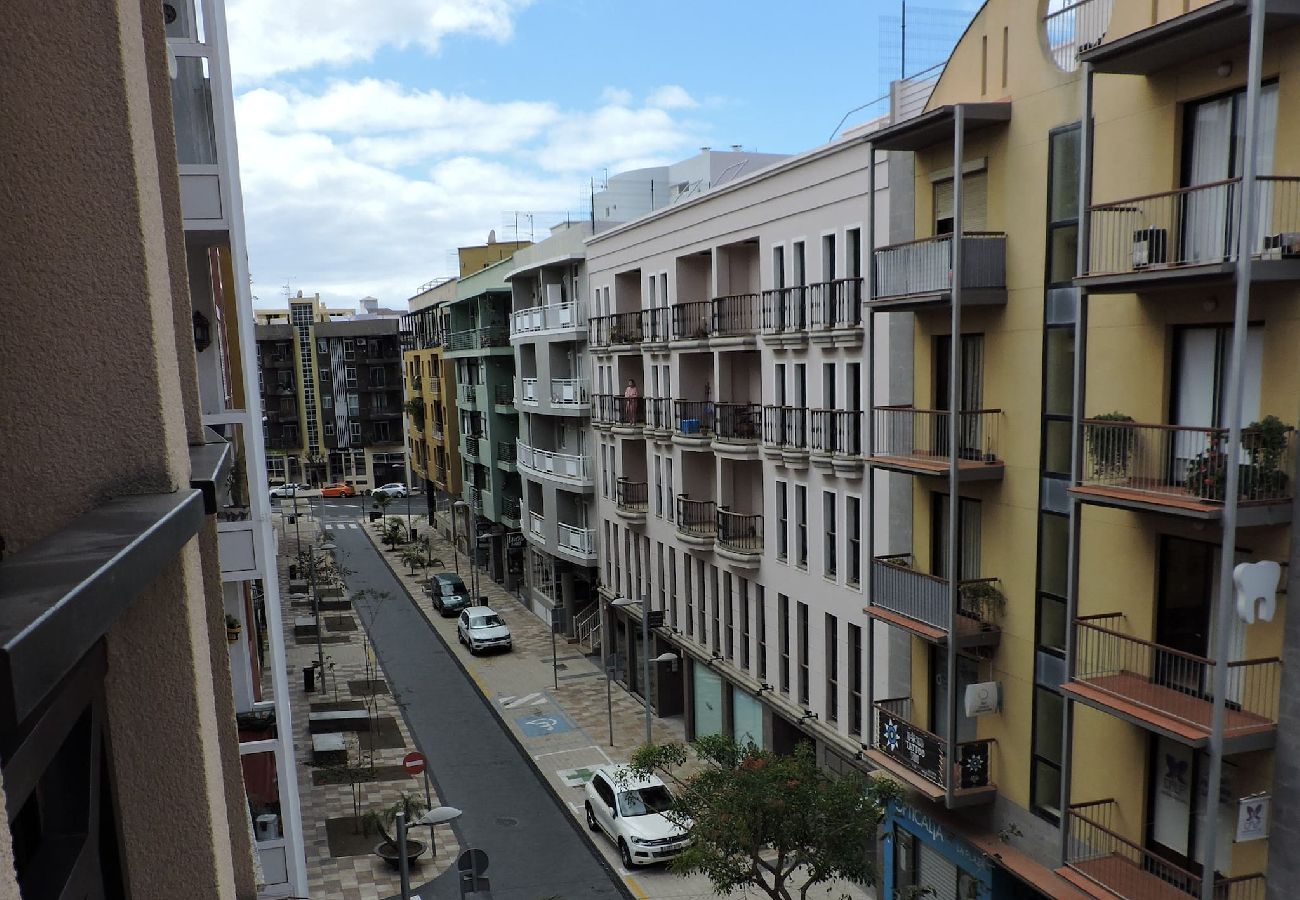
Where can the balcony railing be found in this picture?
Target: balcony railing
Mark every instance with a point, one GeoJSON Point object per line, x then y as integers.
{"type": "Point", "coordinates": [505, 452]}
{"type": "Point", "coordinates": [1173, 684]}
{"type": "Point", "coordinates": [440, 475]}
{"type": "Point", "coordinates": [471, 447]}
{"type": "Point", "coordinates": [924, 267]}
{"type": "Point", "coordinates": [615, 409]}
{"type": "Point", "coordinates": [697, 518]}
{"type": "Point", "coordinates": [550, 317]}
{"type": "Point", "coordinates": [835, 304]}
{"type": "Point", "coordinates": [899, 588]}
{"type": "Point", "coordinates": [738, 422]}
{"type": "Point", "coordinates": [785, 309]}
{"type": "Point", "coordinates": [659, 413]}
{"type": "Point", "coordinates": [571, 466]}
{"type": "Point", "coordinates": [632, 495]}
{"type": "Point", "coordinates": [924, 753]}
{"type": "Point", "coordinates": [691, 321]}
{"type": "Point", "coordinates": [693, 418]}
{"type": "Point", "coordinates": [510, 508]}
{"type": "Point", "coordinates": [656, 325]}
{"type": "Point", "coordinates": [736, 315]}
{"type": "Point", "coordinates": [1075, 27]}
{"type": "Point", "coordinates": [1192, 226]}
{"type": "Point", "coordinates": [836, 431]}
{"type": "Point", "coordinates": [568, 391]}
{"type": "Point", "coordinates": [435, 430]}
{"type": "Point", "coordinates": [1172, 463]}
{"type": "Point", "coordinates": [785, 427]}
{"type": "Point", "coordinates": [462, 340]}
{"type": "Point", "coordinates": [476, 501]}
{"type": "Point", "coordinates": [466, 394]}
{"type": "Point", "coordinates": [616, 329]}
{"type": "Point", "coordinates": [537, 524]}
{"type": "Point", "coordinates": [1096, 851]}
{"type": "Point", "coordinates": [574, 540]}
{"type": "Point", "coordinates": [494, 336]}
{"type": "Point", "coordinates": [922, 435]}
{"type": "Point", "coordinates": [740, 532]}
{"type": "Point", "coordinates": [528, 390]}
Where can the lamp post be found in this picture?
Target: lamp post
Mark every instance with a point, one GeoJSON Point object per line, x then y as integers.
{"type": "Point", "coordinates": [604, 665]}
{"type": "Point", "coordinates": [439, 815]}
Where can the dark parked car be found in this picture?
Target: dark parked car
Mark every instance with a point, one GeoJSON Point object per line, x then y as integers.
{"type": "Point", "coordinates": [449, 593]}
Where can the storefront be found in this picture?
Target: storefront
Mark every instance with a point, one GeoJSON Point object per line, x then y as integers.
{"type": "Point", "coordinates": [920, 854]}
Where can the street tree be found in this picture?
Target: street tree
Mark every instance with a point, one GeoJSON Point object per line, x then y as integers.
{"type": "Point", "coordinates": [759, 819]}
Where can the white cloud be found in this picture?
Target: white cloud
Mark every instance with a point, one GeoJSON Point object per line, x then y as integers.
{"type": "Point", "coordinates": [671, 96]}
{"type": "Point", "coordinates": [267, 38]}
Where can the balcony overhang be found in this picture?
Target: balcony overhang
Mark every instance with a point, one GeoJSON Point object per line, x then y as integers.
{"type": "Point", "coordinates": [1242, 741]}
{"type": "Point", "coordinates": [530, 268]}
{"type": "Point", "coordinates": [938, 126]}
{"type": "Point", "coordinates": [1249, 515]}
{"type": "Point", "coordinates": [970, 633]}
{"type": "Point", "coordinates": [938, 467]}
{"type": "Point", "coordinates": [1199, 34]}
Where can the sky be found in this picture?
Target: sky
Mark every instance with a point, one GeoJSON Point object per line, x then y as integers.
{"type": "Point", "coordinates": [376, 136]}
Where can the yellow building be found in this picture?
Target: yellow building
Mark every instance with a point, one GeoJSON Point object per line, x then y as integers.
{"type": "Point", "coordinates": [433, 429]}
{"type": "Point", "coordinates": [1074, 588]}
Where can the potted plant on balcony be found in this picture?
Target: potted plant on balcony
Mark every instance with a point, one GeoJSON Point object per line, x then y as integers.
{"type": "Point", "coordinates": [233, 629]}
{"type": "Point", "coordinates": [1264, 477]}
{"type": "Point", "coordinates": [984, 601]}
{"type": "Point", "coordinates": [1110, 446]}
{"type": "Point", "coordinates": [381, 821]}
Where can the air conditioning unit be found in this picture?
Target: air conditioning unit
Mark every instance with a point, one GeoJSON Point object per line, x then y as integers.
{"type": "Point", "coordinates": [1150, 247]}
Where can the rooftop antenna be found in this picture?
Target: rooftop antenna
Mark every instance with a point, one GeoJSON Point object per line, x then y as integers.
{"type": "Point", "coordinates": [902, 67]}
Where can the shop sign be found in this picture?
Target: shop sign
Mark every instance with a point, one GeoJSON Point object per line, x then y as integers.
{"type": "Point", "coordinates": [1252, 817]}
{"type": "Point", "coordinates": [918, 750]}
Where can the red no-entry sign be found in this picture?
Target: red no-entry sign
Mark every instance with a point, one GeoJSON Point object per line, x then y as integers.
{"type": "Point", "coordinates": [413, 763]}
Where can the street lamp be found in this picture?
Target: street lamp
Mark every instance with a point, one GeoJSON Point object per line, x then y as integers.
{"type": "Point", "coordinates": [644, 603]}
{"type": "Point", "coordinates": [439, 815]}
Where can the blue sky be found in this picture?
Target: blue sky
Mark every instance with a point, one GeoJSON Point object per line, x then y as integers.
{"type": "Point", "coordinates": [377, 135]}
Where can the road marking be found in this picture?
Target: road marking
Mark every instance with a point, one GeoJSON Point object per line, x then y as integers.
{"type": "Point", "coordinates": [530, 700]}
{"type": "Point", "coordinates": [571, 750]}
{"type": "Point", "coordinates": [636, 888]}
{"type": "Point", "coordinates": [478, 680]}
{"type": "Point", "coordinates": [353, 526]}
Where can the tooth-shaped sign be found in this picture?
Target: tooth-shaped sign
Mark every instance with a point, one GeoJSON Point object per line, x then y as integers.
{"type": "Point", "coordinates": [1257, 589]}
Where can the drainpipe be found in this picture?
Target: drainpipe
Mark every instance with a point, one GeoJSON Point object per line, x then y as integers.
{"type": "Point", "coordinates": [1076, 452]}
{"type": "Point", "coordinates": [869, 435]}
{"type": "Point", "coordinates": [1227, 608]}
{"type": "Point", "coordinates": [954, 415]}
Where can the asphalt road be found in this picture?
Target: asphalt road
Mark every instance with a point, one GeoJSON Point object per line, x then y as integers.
{"type": "Point", "coordinates": [535, 847]}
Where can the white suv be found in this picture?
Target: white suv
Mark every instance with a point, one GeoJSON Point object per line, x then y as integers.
{"type": "Point", "coordinates": [394, 489]}
{"type": "Point", "coordinates": [480, 628]}
{"type": "Point", "coordinates": [629, 809]}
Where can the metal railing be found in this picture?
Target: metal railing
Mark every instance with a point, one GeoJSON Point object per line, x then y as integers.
{"type": "Point", "coordinates": [1073, 27]}
{"type": "Point", "coordinates": [836, 431]}
{"type": "Point", "coordinates": [440, 474]}
{"type": "Point", "coordinates": [537, 524]}
{"type": "Point", "coordinates": [924, 266]}
{"type": "Point", "coordinates": [435, 429]}
{"type": "Point", "coordinates": [785, 427]}
{"type": "Point", "coordinates": [471, 447]}
{"type": "Point", "coordinates": [659, 413]}
{"type": "Point", "coordinates": [476, 499]}
{"type": "Point", "coordinates": [923, 434]}
{"type": "Point", "coordinates": [528, 390]}
{"type": "Point", "coordinates": [741, 532]}
{"type": "Point", "coordinates": [1191, 226]}
{"type": "Point", "coordinates": [738, 421]}
{"type": "Point", "coordinates": [691, 321]}
{"type": "Point", "coordinates": [510, 508]}
{"type": "Point", "coordinates": [785, 309]}
{"type": "Point", "coordinates": [466, 394]}
{"type": "Point", "coordinates": [1099, 853]}
{"type": "Point", "coordinates": [616, 329]}
{"type": "Point", "coordinates": [835, 304]}
{"type": "Point", "coordinates": [579, 541]}
{"type": "Point", "coordinates": [493, 336]}
{"type": "Point", "coordinates": [735, 315]}
{"type": "Point", "coordinates": [615, 409]}
{"type": "Point", "coordinates": [898, 587]}
{"type": "Point", "coordinates": [505, 451]}
{"type": "Point", "coordinates": [568, 391]}
{"type": "Point", "coordinates": [656, 325]}
{"type": "Point", "coordinates": [693, 418]}
{"type": "Point", "coordinates": [1170, 682]}
{"type": "Point", "coordinates": [634, 495]}
{"type": "Point", "coordinates": [549, 317]}
{"type": "Point", "coordinates": [572, 466]}
{"type": "Point", "coordinates": [1172, 461]}
{"type": "Point", "coordinates": [696, 517]}
{"type": "Point", "coordinates": [925, 753]}
{"type": "Point", "coordinates": [504, 394]}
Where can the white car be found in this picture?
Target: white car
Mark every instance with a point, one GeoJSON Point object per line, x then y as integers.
{"type": "Point", "coordinates": [480, 628]}
{"type": "Point", "coordinates": [630, 810]}
{"type": "Point", "coordinates": [289, 489]}
{"type": "Point", "coordinates": [395, 489]}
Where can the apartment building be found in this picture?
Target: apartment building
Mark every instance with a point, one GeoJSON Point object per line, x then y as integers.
{"type": "Point", "coordinates": [331, 387]}
{"type": "Point", "coordinates": [433, 423]}
{"type": "Point", "coordinates": [729, 376]}
{"type": "Point", "coordinates": [1075, 358]}
{"type": "Point", "coordinates": [548, 330]}
{"type": "Point", "coordinates": [128, 756]}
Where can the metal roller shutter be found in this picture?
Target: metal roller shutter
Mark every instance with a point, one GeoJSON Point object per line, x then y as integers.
{"type": "Point", "coordinates": [936, 873]}
{"type": "Point", "coordinates": [975, 212]}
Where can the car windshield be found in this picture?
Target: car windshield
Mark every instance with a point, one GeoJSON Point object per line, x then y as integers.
{"type": "Point", "coordinates": [451, 588]}
{"type": "Point", "coordinates": [644, 801]}
{"type": "Point", "coordinates": [485, 622]}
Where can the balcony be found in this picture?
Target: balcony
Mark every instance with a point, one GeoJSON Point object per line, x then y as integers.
{"type": "Point", "coordinates": [1075, 27]}
{"type": "Point", "coordinates": [916, 442]}
{"type": "Point", "coordinates": [835, 438]}
{"type": "Point", "coordinates": [566, 468]}
{"type": "Point", "coordinates": [470, 447]}
{"type": "Point", "coordinates": [575, 542]}
{"type": "Point", "coordinates": [462, 340]}
{"type": "Point", "coordinates": [565, 318]}
{"type": "Point", "coordinates": [1189, 237]}
{"type": "Point", "coordinates": [436, 432]}
{"type": "Point", "coordinates": [625, 415]}
{"type": "Point", "coordinates": [785, 435]}
{"type": "Point", "coordinates": [467, 395]}
{"type": "Point", "coordinates": [506, 456]}
{"type": "Point", "coordinates": [537, 526]}
{"type": "Point", "coordinates": [740, 537]}
{"type": "Point", "coordinates": [1106, 865]}
{"type": "Point", "coordinates": [510, 515]}
{"type": "Point", "coordinates": [917, 757]}
{"type": "Point", "coordinates": [632, 499]}
{"type": "Point", "coordinates": [1183, 471]}
{"type": "Point", "coordinates": [569, 393]}
{"type": "Point", "coordinates": [835, 312]}
{"type": "Point", "coordinates": [735, 320]}
{"type": "Point", "coordinates": [659, 417]}
{"type": "Point", "coordinates": [490, 336]}
{"type": "Point", "coordinates": [440, 477]}
{"type": "Point", "coordinates": [528, 392]}
{"type": "Point", "coordinates": [697, 521]}
{"type": "Point", "coordinates": [918, 273]}
{"type": "Point", "coordinates": [785, 317]}
{"type": "Point", "coordinates": [656, 327]}
{"type": "Point", "coordinates": [503, 398]}
{"type": "Point", "coordinates": [477, 499]}
{"type": "Point", "coordinates": [1171, 692]}
{"type": "Point", "coordinates": [620, 331]}
{"type": "Point", "coordinates": [692, 422]}
{"type": "Point", "coordinates": [691, 322]}
{"type": "Point", "coordinates": [918, 602]}
{"type": "Point", "coordinates": [738, 428]}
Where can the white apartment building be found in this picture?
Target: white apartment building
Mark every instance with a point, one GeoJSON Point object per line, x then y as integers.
{"type": "Point", "coordinates": [730, 374]}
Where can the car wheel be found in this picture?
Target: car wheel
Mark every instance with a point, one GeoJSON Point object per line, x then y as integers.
{"type": "Point", "coordinates": [591, 820]}
{"type": "Point", "coordinates": [623, 852]}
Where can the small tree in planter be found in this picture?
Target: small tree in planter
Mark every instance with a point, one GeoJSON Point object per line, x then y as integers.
{"type": "Point", "coordinates": [393, 532]}
{"type": "Point", "coordinates": [1110, 446]}
{"type": "Point", "coordinates": [413, 557]}
{"type": "Point", "coordinates": [381, 503]}
{"type": "Point", "coordinates": [382, 821]}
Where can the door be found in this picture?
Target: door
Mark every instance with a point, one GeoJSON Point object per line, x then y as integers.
{"type": "Point", "coordinates": [1201, 360]}
{"type": "Point", "coordinates": [970, 433]}
{"type": "Point", "coordinates": [967, 674]}
{"type": "Point", "coordinates": [1184, 609]}
{"type": "Point", "coordinates": [968, 537]}
{"type": "Point", "coordinates": [1177, 792]}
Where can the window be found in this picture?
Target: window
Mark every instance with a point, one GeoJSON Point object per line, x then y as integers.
{"type": "Point", "coordinates": [349, 351]}
{"type": "Point", "coordinates": [668, 486]}
{"type": "Point", "coordinates": [350, 374]}
{"type": "Point", "coordinates": [354, 404]}
{"type": "Point", "coordinates": [687, 561]}
{"type": "Point", "coordinates": [831, 542]}
{"type": "Point", "coordinates": [744, 622]}
{"type": "Point", "coordinates": [659, 487]}
{"type": "Point", "coordinates": [672, 582]}
{"type": "Point", "coordinates": [801, 525]}
{"type": "Point", "coordinates": [1045, 767]}
{"type": "Point", "coordinates": [329, 428]}
{"type": "Point", "coordinates": [381, 432]}
{"type": "Point", "coordinates": [828, 257]}
{"type": "Point", "coordinates": [327, 401]}
{"type": "Point", "coordinates": [322, 345]}
{"type": "Point", "coordinates": [355, 430]}
{"type": "Point", "coordinates": [855, 679]}
{"type": "Point", "coordinates": [700, 611]}
{"type": "Point", "coordinates": [609, 556]}
{"type": "Point", "coordinates": [1058, 399]}
{"type": "Point", "coordinates": [832, 658]}
{"type": "Point", "coordinates": [853, 550]}
{"type": "Point", "coordinates": [802, 626]}
{"type": "Point", "coordinates": [659, 571]}
{"type": "Point", "coordinates": [324, 376]}
{"type": "Point", "coordinates": [783, 640]}
{"type": "Point", "coordinates": [760, 625]}
{"type": "Point", "coordinates": [728, 619]}
{"type": "Point", "coordinates": [714, 603]}
{"type": "Point", "coordinates": [782, 515]}
{"type": "Point", "coordinates": [1063, 205]}
{"type": "Point", "coordinates": [376, 376]}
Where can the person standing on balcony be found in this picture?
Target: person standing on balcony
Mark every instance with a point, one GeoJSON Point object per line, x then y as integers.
{"type": "Point", "coordinates": [631, 397]}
